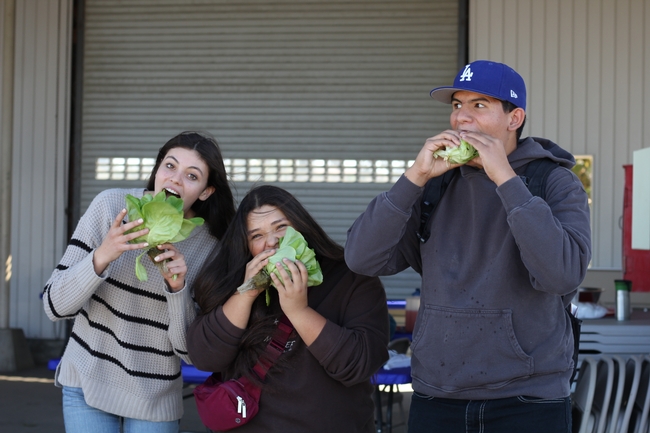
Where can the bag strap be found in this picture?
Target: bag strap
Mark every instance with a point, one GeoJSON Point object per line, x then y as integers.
{"type": "Point", "coordinates": [433, 191]}
{"type": "Point", "coordinates": [275, 348]}
{"type": "Point", "coordinates": [576, 324]}
{"type": "Point", "coordinates": [535, 176]}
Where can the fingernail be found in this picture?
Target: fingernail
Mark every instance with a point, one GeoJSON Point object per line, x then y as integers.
{"type": "Point", "coordinates": [140, 220]}
{"type": "Point", "coordinates": [157, 259]}
{"type": "Point", "coordinates": [146, 244]}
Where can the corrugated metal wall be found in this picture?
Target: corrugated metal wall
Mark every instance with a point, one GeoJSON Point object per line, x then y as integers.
{"type": "Point", "coordinates": [586, 63]}
{"type": "Point", "coordinates": [587, 67]}
{"type": "Point", "coordinates": [270, 79]}
{"type": "Point", "coordinates": [6, 102]}
{"type": "Point", "coordinates": [40, 149]}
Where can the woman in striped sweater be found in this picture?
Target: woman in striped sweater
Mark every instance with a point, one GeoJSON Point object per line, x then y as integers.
{"type": "Point", "coordinates": [121, 366]}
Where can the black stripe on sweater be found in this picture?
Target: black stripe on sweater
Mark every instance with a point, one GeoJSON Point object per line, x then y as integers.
{"type": "Point", "coordinates": [135, 290]}
{"type": "Point", "coordinates": [124, 344]}
{"type": "Point", "coordinates": [46, 293]}
{"type": "Point", "coordinates": [128, 318]}
{"type": "Point", "coordinates": [130, 372]}
{"type": "Point", "coordinates": [78, 243]}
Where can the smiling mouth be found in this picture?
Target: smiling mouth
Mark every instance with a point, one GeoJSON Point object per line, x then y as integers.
{"type": "Point", "coordinates": [171, 192]}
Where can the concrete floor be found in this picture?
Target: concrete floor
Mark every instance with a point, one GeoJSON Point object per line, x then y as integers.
{"type": "Point", "coordinates": [30, 403]}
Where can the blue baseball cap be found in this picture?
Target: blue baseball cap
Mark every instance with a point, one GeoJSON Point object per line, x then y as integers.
{"type": "Point", "coordinates": [488, 78]}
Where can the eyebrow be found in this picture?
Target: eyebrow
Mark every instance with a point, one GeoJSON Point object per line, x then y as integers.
{"type": "Point", "coordinates": [191, 166]}
{"type": "Point", "coordinates": [482, 98]}
{"type": "Point", "coordinates": [278, 221]}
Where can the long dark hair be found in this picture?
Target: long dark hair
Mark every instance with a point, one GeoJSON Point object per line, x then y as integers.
{"type": "Point", "coordinates": [220, 277]}
{"type": "Point", "coordinates": [219, 208]}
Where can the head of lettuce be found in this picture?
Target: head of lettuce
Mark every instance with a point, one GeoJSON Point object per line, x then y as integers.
{"type": "Point", "coordinates": [164, 218]}
{"type": "Point", "coordinates": [292, 246]}
{"type": "Point", "coordinates": [460, 154]}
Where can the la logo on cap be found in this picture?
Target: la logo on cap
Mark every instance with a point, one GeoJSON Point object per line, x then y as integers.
{"type": "Point", "coordinates": [467, 74]}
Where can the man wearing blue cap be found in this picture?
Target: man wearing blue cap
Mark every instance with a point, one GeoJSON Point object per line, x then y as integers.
{"type": "Point", "coordinates": [492, 344]}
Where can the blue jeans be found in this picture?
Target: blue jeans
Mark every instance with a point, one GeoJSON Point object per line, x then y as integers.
{"type": "Point", "coordinates": [78, 417]}
{"type": "Point", "coordinates": [513, 415]}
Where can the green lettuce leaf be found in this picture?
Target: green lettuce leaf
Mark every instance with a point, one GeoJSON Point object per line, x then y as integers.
{"type": "Point", "coordinates": [461, 154]}
{"type": "Point", "coordinates": [164, 218]}
{"type": "Point", "coordinates": [294, 247]}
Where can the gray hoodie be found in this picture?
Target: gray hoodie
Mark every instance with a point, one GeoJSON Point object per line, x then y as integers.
{"type": "Point", "coordinates": [497, 272]}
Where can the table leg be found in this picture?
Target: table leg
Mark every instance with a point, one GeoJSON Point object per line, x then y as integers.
{"type": "Point", "coordinates": [389, 409]}
{"type": "Point", "coordinates": [379, 423]}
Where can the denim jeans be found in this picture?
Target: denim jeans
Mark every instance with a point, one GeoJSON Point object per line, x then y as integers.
{"type": "Point", "coordinates": [78, 417]}
{"type": "Point", "coordinates": [511, 415]}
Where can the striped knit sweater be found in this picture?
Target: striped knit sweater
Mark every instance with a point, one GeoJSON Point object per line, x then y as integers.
{"type": "Point", "coordinates": [128, 336]}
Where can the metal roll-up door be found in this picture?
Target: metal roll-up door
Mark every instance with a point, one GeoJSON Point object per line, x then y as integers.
{"type": "Point", "coordinates": [327, 99]}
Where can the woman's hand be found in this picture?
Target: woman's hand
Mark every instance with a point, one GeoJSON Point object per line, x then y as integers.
{"type": "Point", "coordinates": [254, 267]}
{"type": "Point", "coordinates": [117, 241]}
{"type": "Point", "coordinates": [293, 292]}
{"type": "Point", "coordinates": [175, 269]}
{"type": "Point", "coordinates": [237, 308]}
{"type": "Point", "coordinates": [307, 322]}
{"type": "Point", "coordinates": [257, 264]}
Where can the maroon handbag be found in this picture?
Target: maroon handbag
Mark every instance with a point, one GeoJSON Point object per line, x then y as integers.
{"type": "Point", "coordinates": [222, 406]}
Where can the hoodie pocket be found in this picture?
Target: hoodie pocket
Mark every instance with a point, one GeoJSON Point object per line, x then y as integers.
{"type": "Point", "coordinates": [463, 349]}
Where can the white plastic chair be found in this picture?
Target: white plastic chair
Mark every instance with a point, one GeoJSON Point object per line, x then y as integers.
{"type": "Point", "coordinates": [583, 396]}
{"type": "Point", "coordinates": [639, 418]}
{"type": "Point", "coordinates": [632, 379]}
{"type": "Point", "coordinates": [602, 395]}
{"type": "Point", "coordinates": [618, 388]}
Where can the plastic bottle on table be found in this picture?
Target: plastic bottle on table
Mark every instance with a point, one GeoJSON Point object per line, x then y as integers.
{"type": "Point", "coordinates": [623, 307]}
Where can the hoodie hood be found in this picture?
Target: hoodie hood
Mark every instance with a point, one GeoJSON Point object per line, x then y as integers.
{"type": "Point", "coordinates": [531, 148]}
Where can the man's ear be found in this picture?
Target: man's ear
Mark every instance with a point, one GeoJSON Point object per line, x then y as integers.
{"type": "Point", "coordinates": [207, 192]}
{"type": "Point", "coordinates": [517, 117]}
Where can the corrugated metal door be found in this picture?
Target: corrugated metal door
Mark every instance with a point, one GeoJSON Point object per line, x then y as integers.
{"type": "Point", "coordinates": [328, 99]}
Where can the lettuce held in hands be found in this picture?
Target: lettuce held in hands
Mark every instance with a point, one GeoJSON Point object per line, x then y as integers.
{"type": "Point", "coordinates": [294, 247]}
{"type": "Point", "coordinates": [164, 218]}
{"type": "Point", "coordinates": [461, 154]}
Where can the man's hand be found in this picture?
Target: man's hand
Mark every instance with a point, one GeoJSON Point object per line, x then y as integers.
{"type": "Point", "coordinates": [426, 165]}
{"type": "Point", "coordinates": [492, 156]}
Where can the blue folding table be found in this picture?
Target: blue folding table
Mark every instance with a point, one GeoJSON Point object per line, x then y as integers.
{"type": "Point", "coordinates": [390, 378]}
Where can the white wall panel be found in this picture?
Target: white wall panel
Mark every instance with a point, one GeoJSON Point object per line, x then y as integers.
{"type": "Point", "coordinates": [587, 67]}
{"type": "Point", "coordinates": [40, 143]}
